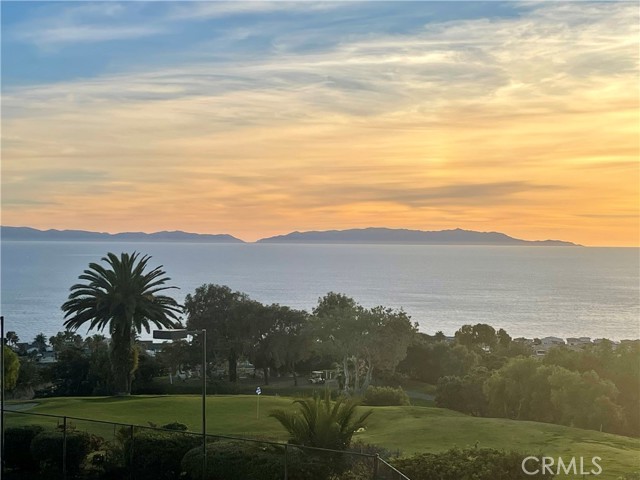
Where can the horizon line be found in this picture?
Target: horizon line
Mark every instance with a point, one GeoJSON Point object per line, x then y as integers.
{"type": "Point", "coordinates": [308, 231]}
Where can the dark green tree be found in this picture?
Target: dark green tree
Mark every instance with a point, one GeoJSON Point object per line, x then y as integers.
{"type": "Point", "coordinates": [61, 340]}
{"type": "Point", "coordinates": [281, 340]}
{"type": "Point", "coordinates": [480, 335]}
{"type": "Point", "coordinates": [40, 342]}
{"type": "Point", "coordinates": [229, 318]}
{"type": "Point", "coordinates": [124, 298]}
{"type": "Point", "coordinates": [12, 338]}
{"type": "Point", "coordinates": [362, 339]}
{"type": "Point", "coordinates": [71, 372]}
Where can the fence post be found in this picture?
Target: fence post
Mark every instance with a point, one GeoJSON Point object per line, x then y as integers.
{"type": "Point", "coordinates": [64, 448]}
{"type": "Point", "coordinates": [131, 476]}
{"type": "Point", "coordinates": [376, 466]}
{"type": "Point", "coordinates": [286, 473]}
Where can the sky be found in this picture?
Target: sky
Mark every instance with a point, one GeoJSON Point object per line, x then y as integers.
{"type": "Point", "coordinates": [261, 118]}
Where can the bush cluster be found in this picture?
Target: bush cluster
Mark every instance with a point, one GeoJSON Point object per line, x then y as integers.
{"type": "Point", "coordinates": [237, 460]}
{"type": "Point", "coordinates": [159, 455]}
{"type": "Point", "coordinates": [47, 447]}
{"type": "Point", "coordinates": [17, 447]}
{"type": "Point", "coordinates": [467, 464]}
{"type": "Point", "coordinates": [385, 396]}
{"type": "Point", "coordinates": [154, 455]}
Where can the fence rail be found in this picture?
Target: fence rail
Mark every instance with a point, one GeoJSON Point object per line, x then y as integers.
{"type": "Point", "coordinates": [296, 462]}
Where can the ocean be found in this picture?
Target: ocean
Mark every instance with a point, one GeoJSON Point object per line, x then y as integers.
{"type": "Point", "coordinates": [528, 291]}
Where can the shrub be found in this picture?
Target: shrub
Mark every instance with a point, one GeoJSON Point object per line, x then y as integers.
{"type": "Point", "coordinates": [157, 455]}
{"type": "Point", "coordinates": [385, 396]}
{"type": "Point", "coordinates": [319, 422]}
{"type": "Point", "coordinates": [236, 460]}
{"type": "Point", "coordinates": [17, 447]}
{"type": "Point", "coordinates": [175, 426]}
{"type": "Point", "coordinates": [47, 448]}
{"type": "Point", "coordinates": [467, 464]}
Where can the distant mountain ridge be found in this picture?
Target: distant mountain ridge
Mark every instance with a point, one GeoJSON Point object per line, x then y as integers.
{"type": "Point", "coordinates": [32, 234]}
{"type": "Point", "coordinates": [409, 237]}
{"type": "Point", "coordinates": [351, 236]}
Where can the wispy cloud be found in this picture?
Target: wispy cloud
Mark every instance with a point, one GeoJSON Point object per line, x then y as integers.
{"type": "Point", "coordinates": [496, 120]}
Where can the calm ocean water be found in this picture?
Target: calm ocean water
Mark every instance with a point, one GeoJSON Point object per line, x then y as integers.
{"type": "Point", "coordinates": [529, 291]}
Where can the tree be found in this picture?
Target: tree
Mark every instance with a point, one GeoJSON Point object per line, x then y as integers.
{"type": "Point", "coordinates": [339, 326]}
{"type": "Point", "coordinates": [12, 338]}
{"type": "Point", "coordinates": [175, 356]}
{"type": "Point", "coordinates": [479, 335]}
{"type": "Point", "coordinates": [504, 339]}
{"type": "Point", "coordinates": [322, 423]}
{"type": "Point", "coordinates": [11, 368]}
{"type": "Point", "coordinates": [123, 298]}
{"type": "Point", "coordinates": [71, 372]}
{"type": "Point", "coordinates": [229, 318]}
{"type": "Point", "coordinates": [281, 340]}
{"type": "Point", "coordinates": [100, 374]}
{"type": "Point", "coordinates": [464, 394]}
{"type": "Point", "coordinates": [518, 390]}
{"type": "Point", "coordinates": [61, 340]}
{"type": "Point", "coordinates": [391, 332]}
{"type": "Point", "coordinates": [363, 339]}
{"type": "Point", "coordinates": [150, 368]}
{"type": "Point", "coordinates": [40, 341]}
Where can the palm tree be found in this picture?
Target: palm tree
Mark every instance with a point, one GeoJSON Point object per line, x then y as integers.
{"type": "Point", "coordinates": [12, 338]}
{"type": "Point", "coordinates": [40, 341]}
{"type": "Point", "coordinates": [322, 423]}
{"type": "Point", "coordinates": [123, 298]}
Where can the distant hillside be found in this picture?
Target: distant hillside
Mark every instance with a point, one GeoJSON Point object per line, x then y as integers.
{"type": "Point", "coordinates": [32, 234]}
{"type": "Point", "coordinates": [409, 237]}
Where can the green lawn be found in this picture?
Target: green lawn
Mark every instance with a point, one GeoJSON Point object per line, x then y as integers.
{"type": "Point", "coordinates": [408, 429]}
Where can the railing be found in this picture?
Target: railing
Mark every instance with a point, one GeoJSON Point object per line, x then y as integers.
{"type": "Point", "coordinates": [114, 445]}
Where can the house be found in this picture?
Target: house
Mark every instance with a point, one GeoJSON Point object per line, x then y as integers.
{"type": "Point", "coordinates": [578, 342]}
{"type": "Point", "coordinates": [149, 347]}
{"type": "Point", "coordinates": [47, 357]}
{"type": "Point", "coordinates": [551, 341]}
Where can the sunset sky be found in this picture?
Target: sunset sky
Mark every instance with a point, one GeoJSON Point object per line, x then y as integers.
{"type": "Point", "coordinates": [257, 119]}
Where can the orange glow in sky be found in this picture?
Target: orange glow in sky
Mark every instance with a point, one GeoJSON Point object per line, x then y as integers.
{"type": "Point", "coordinates": [525, 124]}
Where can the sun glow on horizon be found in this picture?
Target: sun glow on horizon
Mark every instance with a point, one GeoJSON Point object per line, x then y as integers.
{"type": "Point", "coordinates": [525, 123]}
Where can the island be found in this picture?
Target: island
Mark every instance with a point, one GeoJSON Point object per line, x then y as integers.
{"type": "Point", "coordinates": [409, 237]}
{"type": "Point", "coordinates": [32, 234]}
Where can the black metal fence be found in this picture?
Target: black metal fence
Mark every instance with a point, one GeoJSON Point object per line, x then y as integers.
{"type": "Point", "coordinates": [112, 450]}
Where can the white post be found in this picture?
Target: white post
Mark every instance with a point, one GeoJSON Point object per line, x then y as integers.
{"type": "Point", "coordinates": [258, 392]}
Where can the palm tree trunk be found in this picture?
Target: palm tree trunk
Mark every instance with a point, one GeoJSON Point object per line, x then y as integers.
{"type": "Point", "coordinates": [121, 361]}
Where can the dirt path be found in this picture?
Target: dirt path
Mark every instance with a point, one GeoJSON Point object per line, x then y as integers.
{"type": "Point", "coordinates": [422, 396]}
{"type": "Point", "coordinates": [18, 407]}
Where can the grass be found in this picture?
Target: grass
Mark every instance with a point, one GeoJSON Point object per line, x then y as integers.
{"type": "Point", "coordinates": [408, 429]}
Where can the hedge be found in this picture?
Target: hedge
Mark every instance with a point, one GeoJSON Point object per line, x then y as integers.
{"type": "Point", "coordinates": [467, 464]}
{"type": "Point", "coordinates": [157, 455]}
{"type": "Point", "coordinates": [47, 448]}
{"type": "Point", "coordinates": [236, 460]}
{"type": "Point", "coordinates": [17, 446]}
{"type": "Point", "coordinates": [385, 396]}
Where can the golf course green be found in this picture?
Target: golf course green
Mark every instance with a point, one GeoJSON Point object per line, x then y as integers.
{"type": "Point", "coordinates": [406, 430]}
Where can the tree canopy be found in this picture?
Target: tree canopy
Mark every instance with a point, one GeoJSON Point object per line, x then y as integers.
{"type": "Point", "coordinates": [124, 298]}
